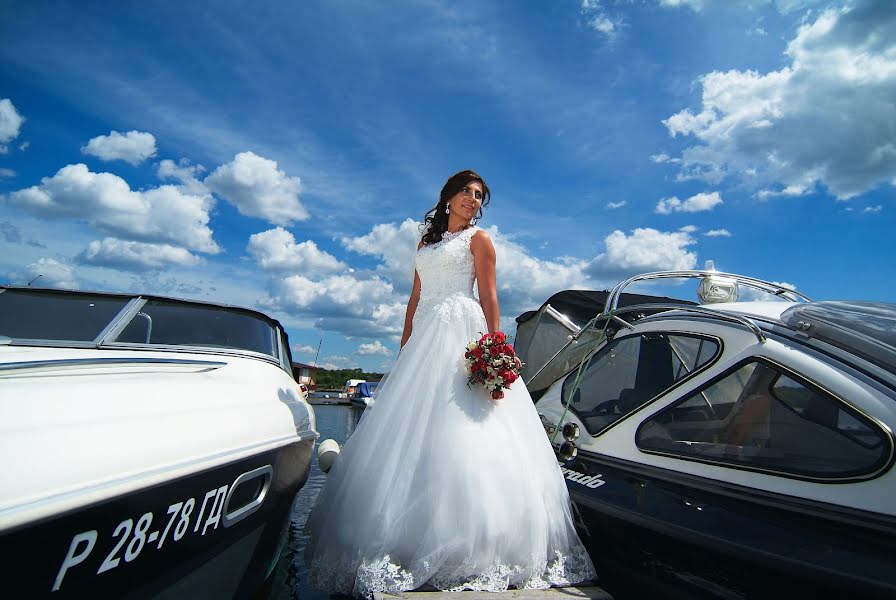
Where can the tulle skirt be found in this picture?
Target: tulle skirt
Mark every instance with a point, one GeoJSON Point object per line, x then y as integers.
{"type": "Point", "coordinates": [441, 485]}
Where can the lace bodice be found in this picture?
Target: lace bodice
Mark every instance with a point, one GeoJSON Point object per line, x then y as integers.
{"type": "Point", "coordinates": [446, 269]}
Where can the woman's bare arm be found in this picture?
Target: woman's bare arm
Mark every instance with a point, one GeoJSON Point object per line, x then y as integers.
{"type": "Point", "coordinates": [484, 263]}
{"type": "Point", "coordinates": [412, 308]}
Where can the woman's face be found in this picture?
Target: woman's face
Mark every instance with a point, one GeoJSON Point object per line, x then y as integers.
{"type": "Point", "coordinates": [467, 201]}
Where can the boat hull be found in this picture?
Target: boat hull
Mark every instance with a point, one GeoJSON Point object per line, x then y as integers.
{"type": "Point", "coordinates": [659, 534]}
{"type": "Point", "coordinates": [214, 534]}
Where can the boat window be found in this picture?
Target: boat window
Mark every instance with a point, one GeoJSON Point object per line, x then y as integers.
{"type": "Point", "coordinates": [765, 419]}
{"type": "Point", "coordinates": [38, 315]}
{"type": "Point", "coordinates": [171, 323]}
{"type": "Point", "coordinates": [630, 371]}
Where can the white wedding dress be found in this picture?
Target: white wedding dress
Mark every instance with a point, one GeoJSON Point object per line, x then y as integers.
{"type": "Point", "coordinates": [439, 484]}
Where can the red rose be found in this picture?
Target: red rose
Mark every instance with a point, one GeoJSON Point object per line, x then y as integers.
{"type": "Point", "coordinates": [494, 351]}
{"type": "Point", "coordinates": [484, 337]}
{"type": "Point", "coordinates": [497, 395]}
{"type": "Point", "coordinates": [478, 352]}
{"type": "Point", "coordinates": [513, 377]}
{"type": "Point", "coordinates": [508, 348]}
{"type": "Point", "coordinates": [499, 337]}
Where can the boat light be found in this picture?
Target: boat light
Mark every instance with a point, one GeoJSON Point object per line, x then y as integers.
{"type": "Point", "coordinates": [714, 288]}
{"type": "Point", "coordinates": [570, 432]}
{"type": "Point", "coordinates": [568, 450]}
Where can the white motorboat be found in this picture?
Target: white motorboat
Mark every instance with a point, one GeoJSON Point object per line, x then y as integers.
{"type": "Point", "coordinates": [151, 447]}
{"type": "Point", "coordinates": [732, 449]}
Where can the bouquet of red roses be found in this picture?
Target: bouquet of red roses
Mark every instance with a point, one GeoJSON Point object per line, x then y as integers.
{"type": "Point", "coordinates": [492, 363]}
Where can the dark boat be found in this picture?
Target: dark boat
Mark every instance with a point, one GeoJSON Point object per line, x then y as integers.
{"type": "Point", "coordinates": [728, 449]}
{"type": "Point", "coordinates": [151, 447]}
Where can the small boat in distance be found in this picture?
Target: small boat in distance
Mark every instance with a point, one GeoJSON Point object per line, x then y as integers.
{"type": "Point", "coordinates": [364, 394]}
{"type": "Point", "coordinates": [152, 447]}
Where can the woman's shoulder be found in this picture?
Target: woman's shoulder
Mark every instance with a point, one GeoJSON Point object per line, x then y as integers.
{"type": "Point", "coordinates": [480, 239]}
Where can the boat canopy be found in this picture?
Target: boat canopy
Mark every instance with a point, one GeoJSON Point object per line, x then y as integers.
{"type": "Point", "coordinates": [540, 334]}
{"type": "Point", "coordinates": [867, 329]}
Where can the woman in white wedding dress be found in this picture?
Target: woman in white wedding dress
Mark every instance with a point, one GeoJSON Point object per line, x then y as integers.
{"type": "Point", "coordinates": [440, 484]}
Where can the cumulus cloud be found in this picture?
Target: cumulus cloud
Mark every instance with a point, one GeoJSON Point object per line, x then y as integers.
{"type": "Point", "coordinates": [158, 215]}
{"type": "Point", "coordinates": [10, 122]}
{"type": "Point", "coordinates": [524, 281]}
{"type": "Point", "coordinates": [718, 233]}
{"type": "Point", "coordinates": [303, 349]}
{"type": "Point", "coordinates": [132, 147]}
{"type": "Point", "coordinates": [644, 250]}
{"type": "Point", "coordinates": [136, 256]}
{"type": "Point", "coordinates": [277, 250]}
{"type": "Point", "coordinates": [826, 118]}
{"type": "Point", "coordinates": [615, 205]}
{"type": "Point", "coordinates": [257, 188]}
{"type": "Point", "coordinates": [696, 203]}
{"type": "Point", "coordinates": [395, 245]}
{"type": "Point", "coordinates": [185, 173]}
{"type": "Point", "coordinates": [356, 306]}
{"type": "Point", "coordinates": [50, 273]}
{"type": "Point", "coordinates": [873, 209]}
{"type": "Point", "coordinates": [371, 349]}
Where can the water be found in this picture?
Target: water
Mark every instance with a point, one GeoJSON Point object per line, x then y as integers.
{"type": "Point", "coordinates": [337, 422]}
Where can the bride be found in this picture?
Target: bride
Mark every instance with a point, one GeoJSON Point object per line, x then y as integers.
{"type": "Point", "coordinates": [439, 484]}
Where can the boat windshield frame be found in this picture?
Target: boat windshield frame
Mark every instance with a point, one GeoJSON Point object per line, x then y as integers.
{"type": "Point", "coordinates": [107, 337]}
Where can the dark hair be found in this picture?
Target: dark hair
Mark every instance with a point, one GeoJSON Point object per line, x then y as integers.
{"type": "Point", "coordinates": [435, 223]}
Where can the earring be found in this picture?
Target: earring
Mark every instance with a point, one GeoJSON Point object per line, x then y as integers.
{"type": "Point", "coordinates": [447, 210]}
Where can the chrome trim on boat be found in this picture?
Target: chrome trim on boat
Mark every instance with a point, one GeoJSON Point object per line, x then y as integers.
{"type": "Point", "coordinates": [120, 320]}
{"type": "Point", "coordinates": [88, 363]}
{"type": "Point", "coordinates": [765, 286]}
{"type": "Point", "coordinates": [228, 519]}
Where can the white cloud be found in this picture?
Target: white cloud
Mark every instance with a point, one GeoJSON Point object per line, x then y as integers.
{"type": "Point", "coordinates": [873, 209]}
{"type": "Point", "coordinates": [375, 348]}
{"type": "Point", "coordinates": [277, 250]}
{"type": "Point", "coordinates": [645, 250]}
{"type": "Point", "coordinates": [524, 281]}
{"type": "Point", "coordinates": [136, 256]}
{"type": "Point", "coordinates": [10, 122]}
{"type": "Point", "coordinates": [783, 6]}
{"type": "Point", "coordinates": [614, 205]}
{"type": "Point", "coordinates": [395, 245]}
{"type": "Point", "coordinates": [133, 147]}
{"type": "Point", "coordinates": [257, 188]}
{"type": "Point", "coordinates": [185, 173]}
{"type": "Point", "coordinates": [718, 233]}
{"type": "Point", "coordinates": [355, 306]}
{"type": "Point", "coordinates": [301, 349]}
{"type": "Point", "coordinates": [825, 118]}
{"type": "Point", "coordinates": [696, 203]}
{"type": "Point", "coordinates": [663, 158]}
{"type": "Point", "coordinates": [597, 18]}
{"type": "Point", "coordinates": [157, 215]}
{"type": "Point", "coordinates": [4, 172]}
{"type": "Point", "coordinates": [50, 273]}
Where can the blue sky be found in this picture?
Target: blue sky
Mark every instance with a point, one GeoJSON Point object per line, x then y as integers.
{"type": "Point", "coordinates": [280, 156]}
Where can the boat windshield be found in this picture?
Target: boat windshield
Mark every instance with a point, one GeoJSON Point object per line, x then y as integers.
{"type": "Point", "coordinates": [75, 318]}
{"type": "Point", "coordinates": [40, 315]}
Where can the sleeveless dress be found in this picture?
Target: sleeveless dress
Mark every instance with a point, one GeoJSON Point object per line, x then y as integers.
{"type": "Point", "coordinates": [439, 484]}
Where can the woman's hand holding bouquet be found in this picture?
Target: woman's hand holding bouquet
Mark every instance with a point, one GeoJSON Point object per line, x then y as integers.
{"type": "Point", "coordinates": [492, 363]}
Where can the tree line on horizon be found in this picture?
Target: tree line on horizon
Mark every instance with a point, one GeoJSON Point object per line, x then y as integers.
{"type": "Point", "coordinates": [330, 380]}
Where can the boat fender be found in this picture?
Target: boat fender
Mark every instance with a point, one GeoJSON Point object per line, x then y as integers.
{"type": "Point", "coordinates": [326, 454]}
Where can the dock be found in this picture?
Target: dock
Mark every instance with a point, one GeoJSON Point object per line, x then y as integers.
{"type": "Point", "coordinates": [580, 592]}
